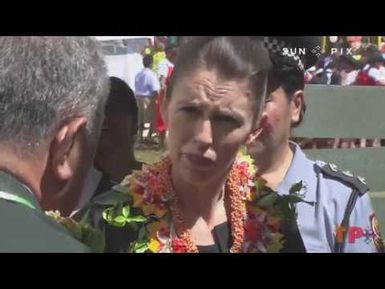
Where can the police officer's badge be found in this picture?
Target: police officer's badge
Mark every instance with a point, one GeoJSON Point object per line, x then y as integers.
{"type": "Point", "coordinates": [348, 173]}
{"type": "Point", "coordinates": [377, 238]}
{"type": "Point", "coordinates": [333, 167]}
{"type": "Point", "coordinates": [362, 180]}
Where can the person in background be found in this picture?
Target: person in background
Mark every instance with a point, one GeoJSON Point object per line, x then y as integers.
{"type": "Point", "coordinates": [340, 199]}
{"type": "Point", "coordinates": [147, 88]}
{"type": "Point", "coordinates": [377, 69]}
{"type": "Point", "coordinates": [52, 96]}
{"type": "Point", "coordinates": [115, 156]}
{"type": "Point", "coordinates": [159, 55]}
{"type": "Point", "coordinates": [166, 68]}
{"type": "Point", "coordinates": [349, 70]}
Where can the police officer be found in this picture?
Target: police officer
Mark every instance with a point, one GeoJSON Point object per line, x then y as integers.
{"type": "Point", "coordinates": [52, 95]}
{"type": "Point", "coordinates": [341, 203]}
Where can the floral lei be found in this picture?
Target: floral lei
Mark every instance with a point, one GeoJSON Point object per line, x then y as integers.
{"type": "Point", "coordinates": [256, 212]}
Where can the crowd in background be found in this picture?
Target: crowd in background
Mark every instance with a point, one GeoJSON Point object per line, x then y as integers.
{"type": "Point", "coordinates": [348, 60]}
{"type": "Point", "coordinates": [150, 89]}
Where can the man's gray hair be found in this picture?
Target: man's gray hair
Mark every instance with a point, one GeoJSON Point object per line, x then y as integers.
{"type": "Point", "coordinates": [46, 81]}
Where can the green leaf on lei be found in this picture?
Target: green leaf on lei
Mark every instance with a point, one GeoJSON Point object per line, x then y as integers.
{"type": "Point", "coordinates": [258, 186]}
{"type": "Point", "coordinates": [142, 233]}
{"type": "Point", "coordinates": [126, 211]}
{"type": "Point", "coordinates": [121, 189]}
{"type": "Point", "coordinates": [121, 220]}
{"type": "Point", "coordinates": [296, 188]}
{"type": "Point", "coordinates": [111, 198]}
{"type": "Point", "coordinates": [268, 200]}
{"type": "Point", "coordinates": [108, 214]}
{"type": "Point", "coordinates": [276, 243]}
{"type": "Point", "coordinates": [136, 219]}
{"type": "Point", "coordinates": [138, 247]}
{"type": "Point", "coordinates": [94, 238]}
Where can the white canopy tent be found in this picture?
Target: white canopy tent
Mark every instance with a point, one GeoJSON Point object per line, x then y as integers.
{"type": "Point", "coordinates": [109, 38]}
{"type": "Point", "coordinates": [127, 65]}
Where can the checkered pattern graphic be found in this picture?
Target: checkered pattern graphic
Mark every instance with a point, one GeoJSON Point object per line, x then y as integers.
{"type": "Point", "coordinates": [276, 46]}
{"type": "Point", "coordinates": [297, 60]}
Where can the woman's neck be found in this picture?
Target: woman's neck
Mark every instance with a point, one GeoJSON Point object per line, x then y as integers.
{"type": "Point", "coordinates": [199, 200]}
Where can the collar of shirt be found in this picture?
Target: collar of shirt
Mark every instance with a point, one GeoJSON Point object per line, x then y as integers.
{"type": "Point", "coordinates": [13, 186]}
{"type": "Point", "coordinates": [91, 184]}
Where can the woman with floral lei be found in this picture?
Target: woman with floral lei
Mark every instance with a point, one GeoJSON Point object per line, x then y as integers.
{"type": "Point", "coordinates": [202, 196]}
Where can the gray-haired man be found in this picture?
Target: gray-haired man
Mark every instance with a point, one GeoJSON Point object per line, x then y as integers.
{"type": "Point", "coordinates": [52, 96]}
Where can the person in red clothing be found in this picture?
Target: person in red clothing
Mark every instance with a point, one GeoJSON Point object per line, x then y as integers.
{"type": "Point", "coordinates": [166, 68]}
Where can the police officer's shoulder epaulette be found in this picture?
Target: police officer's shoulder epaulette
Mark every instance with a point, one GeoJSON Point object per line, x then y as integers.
{"type": "Point", "coordinates": [356, 182]}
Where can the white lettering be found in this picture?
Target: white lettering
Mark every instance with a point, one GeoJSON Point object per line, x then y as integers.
{"type": "Point", "coordinates": [349, 51]}
{"type": "Point", "coordinates": [302, 51]}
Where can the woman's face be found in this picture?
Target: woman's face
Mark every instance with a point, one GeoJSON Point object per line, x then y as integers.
{"type": "Point", "coordinates": [208, 118]}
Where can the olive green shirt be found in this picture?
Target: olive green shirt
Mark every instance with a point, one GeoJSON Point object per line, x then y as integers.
{"type": "Point", "coordinates": [24, 227]}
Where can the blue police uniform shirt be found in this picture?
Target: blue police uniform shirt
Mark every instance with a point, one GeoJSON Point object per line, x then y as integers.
{"type": "Point", "coordinates": [318, 224]}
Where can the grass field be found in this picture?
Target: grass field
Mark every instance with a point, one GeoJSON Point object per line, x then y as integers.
{"type": "Point", "coordinates": [148, 155]}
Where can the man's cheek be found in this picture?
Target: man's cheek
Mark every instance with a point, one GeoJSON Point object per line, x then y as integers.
{"type": "Point", "coordinates": [272, 120]}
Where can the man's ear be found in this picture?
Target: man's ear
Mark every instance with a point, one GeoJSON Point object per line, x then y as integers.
{"type": "Point", "coordinates": [258, 129]}
{"type": "Point", "coordinates": [297, 103]}
{"type": "Point", "coordinates": [64, 148]}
